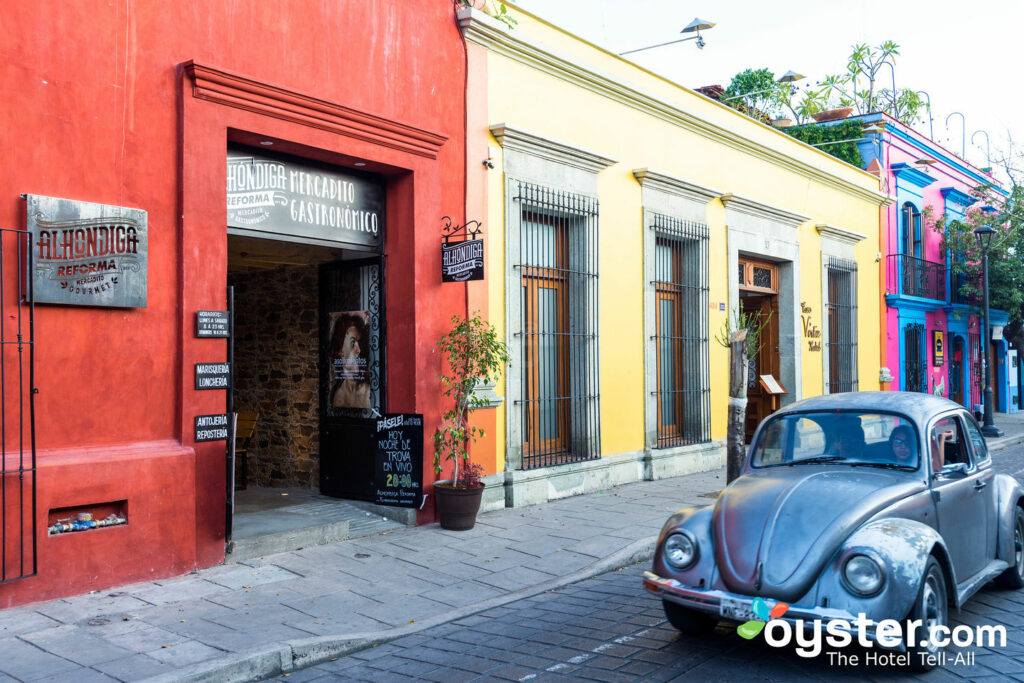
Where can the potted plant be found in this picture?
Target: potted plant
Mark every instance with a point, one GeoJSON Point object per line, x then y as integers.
{"type": "Point", "coordinates": [471, 352]}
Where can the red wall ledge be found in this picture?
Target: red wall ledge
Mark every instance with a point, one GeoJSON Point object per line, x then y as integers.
{"type": "Point", "coordinates": [224, 87]}
{"type": "Point", "coordinates": [151, 483]}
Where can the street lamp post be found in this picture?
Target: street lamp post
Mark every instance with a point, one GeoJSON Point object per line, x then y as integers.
{"type": "Point", "coordinates": [984, 234]}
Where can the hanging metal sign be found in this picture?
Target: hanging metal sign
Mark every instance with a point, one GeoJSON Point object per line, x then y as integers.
{"type": "Point", "coordinates": [213, 324]}
{"type": "Point", "coordinates": [212, 375]}
{"type": "Point", "coordinates": [211, 427]}
{"type": "Point", "coordinates": [299, 198]}
{"type": "Point", "coordinates": [87, 254]}
{"type": "Point", "coordinates": [462, 254]}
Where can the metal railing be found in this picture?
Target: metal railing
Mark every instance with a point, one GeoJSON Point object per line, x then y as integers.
{"type": "Point", "coordinates": [956, 296]}
{"type": "Point", "coordinates": [912, 276]}
{"type": "Point", "coordinates": [560, 407]}
{"type": "Point", "coordinates": [18, 545]}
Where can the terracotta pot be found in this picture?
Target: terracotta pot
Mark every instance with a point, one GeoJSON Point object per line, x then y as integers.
{"type": "Point", "coordinates": [457, 508]}
{"type": "Point", "coordinates": [832, 114]}
{"type": "Point", "coordinates": [782, 122]}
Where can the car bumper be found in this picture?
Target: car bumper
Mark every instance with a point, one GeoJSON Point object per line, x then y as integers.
{"type": "Point", "coordinates": [709, 601]}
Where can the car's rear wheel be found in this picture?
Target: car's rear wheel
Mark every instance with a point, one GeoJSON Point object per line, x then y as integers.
{"type": "Point", "coordinates": [930, 610]}
{"type": "Point", "coordinates": [688, 621]}
{"type": "Point", "coordinates": [1013, 577]}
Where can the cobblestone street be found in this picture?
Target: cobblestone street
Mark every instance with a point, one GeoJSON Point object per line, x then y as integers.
{"type": "Point", "coordinates": [609, 629]}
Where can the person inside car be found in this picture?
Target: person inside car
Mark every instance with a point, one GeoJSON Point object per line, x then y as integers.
{"type": "Point", "coordinates": [901, 441]}
{"type": "Point", "coordinates": [849, 440]}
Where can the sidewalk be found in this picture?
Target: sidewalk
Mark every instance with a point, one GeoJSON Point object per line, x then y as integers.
{"type": "Point", "coordinates": [264, 617]}
{"type": "Point", "coordinates": [1012, 426]}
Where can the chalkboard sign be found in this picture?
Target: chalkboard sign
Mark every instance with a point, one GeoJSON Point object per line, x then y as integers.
{"type": "Point", "coordinates": [212, 324]}
{"type": "Point", "coordinates": [398, 474]}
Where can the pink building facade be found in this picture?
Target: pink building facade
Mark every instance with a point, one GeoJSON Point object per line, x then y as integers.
{"type": "Point", "coordinates": [933, 340]}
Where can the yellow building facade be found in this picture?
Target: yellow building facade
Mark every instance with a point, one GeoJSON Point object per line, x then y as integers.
{"type": "Point", "coordinates": [626, 219]}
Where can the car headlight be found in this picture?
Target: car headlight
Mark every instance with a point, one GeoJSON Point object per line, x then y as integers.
{"type": "Point", "coordinates": [863, 574]}
{"type": "Point", "coordinates": [680, 550]}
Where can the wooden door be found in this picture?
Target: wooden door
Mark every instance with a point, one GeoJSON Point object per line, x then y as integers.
{"type": "Point", "coordinates": [765, 362]}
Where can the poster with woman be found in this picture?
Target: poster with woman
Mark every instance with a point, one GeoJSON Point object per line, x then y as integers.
{"type": "Point", "coordinates": [350, 360]}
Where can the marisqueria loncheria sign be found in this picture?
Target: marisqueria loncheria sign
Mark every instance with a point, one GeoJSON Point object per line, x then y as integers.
{"type": "Point", "coordinates": [291, 197]}
{"type": "Point", "coordinates": [87, 254]}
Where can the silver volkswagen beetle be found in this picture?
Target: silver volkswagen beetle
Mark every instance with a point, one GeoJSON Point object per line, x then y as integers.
{"type": "Point", "coordinates": [878, 505]}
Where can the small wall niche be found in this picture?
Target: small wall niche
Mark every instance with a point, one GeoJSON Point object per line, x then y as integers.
{"type": "Point", "coordinates": [70, 520]}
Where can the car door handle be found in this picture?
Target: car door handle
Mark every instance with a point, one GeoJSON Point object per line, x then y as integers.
{"type": "Point", "coordinates": [979, 485]}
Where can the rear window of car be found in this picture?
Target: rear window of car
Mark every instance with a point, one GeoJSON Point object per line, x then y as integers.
{"type": "Point", "coordinates": [862, 438]}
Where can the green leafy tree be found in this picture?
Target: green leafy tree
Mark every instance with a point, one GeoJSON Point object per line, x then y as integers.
{"type": "Point", "coordinates": [472, 353]}
{"type": "Point", "coordinates": [1005, 215]}
{"type": "Point", "coordinates": [755, 91]}
{"type": "Point", "coordinates": [865, 63]}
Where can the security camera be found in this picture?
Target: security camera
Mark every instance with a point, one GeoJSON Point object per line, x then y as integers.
{"type": "Point", "coordinates": [700, 43]}
{"type": "Point", "coordinates": [488, 163]}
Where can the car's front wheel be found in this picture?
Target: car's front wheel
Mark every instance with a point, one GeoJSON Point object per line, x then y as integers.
{"type": "Point", "coordinates": [688, 621]}
{"type": "Point", "coordinates": [1013, 577]}
{"type": "Point", "coordinates": [929, 610]}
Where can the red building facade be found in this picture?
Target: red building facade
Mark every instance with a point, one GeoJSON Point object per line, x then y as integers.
{"type": "Point", "coordinates": [137, 105]}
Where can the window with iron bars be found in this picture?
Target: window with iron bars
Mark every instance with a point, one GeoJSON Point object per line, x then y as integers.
{"type": "Point", "coordinates": [560, 406]}
{"type": "Point", "coordinates": [842, 324]}
{"type": "Point", "coordinates": [681, 331]}
{"type": "Point", "coordinates": [915, 371]}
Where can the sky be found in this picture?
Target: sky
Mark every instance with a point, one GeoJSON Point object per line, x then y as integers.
{"type": "Point", "coordinates": [963, 54]}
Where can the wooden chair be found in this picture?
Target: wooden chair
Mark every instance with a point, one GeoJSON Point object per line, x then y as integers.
{"type": "Point", "coordinates": [245, 426]}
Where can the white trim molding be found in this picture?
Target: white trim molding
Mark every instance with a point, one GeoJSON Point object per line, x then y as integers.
{"type": "Point", "coordinates": [526, 142]}
{"type": "Point", "coordinates": [483, 30]}
{"type": "Point", "coordinates": [839, 234]}
{"type": "Point", "coordinates": [677, 186]}
{"type": "Point", "coordinates": [752, 207]}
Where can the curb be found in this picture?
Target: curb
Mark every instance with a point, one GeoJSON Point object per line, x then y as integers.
{"type": "Point", "coordinates": [1007, 442]}
{"type": "Point", "coordinates": [298, 654]}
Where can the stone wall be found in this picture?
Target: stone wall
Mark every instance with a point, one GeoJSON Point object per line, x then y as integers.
{"type": "Point", "coordinates": [277, 373]}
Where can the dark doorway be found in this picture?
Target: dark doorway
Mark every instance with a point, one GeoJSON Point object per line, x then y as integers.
{"type": "Point", "coordinates": [276, 357]}
{"type": "Point", "coordinates": [351, 375]}
{"type": "Point", "coordinates": [956, 371]}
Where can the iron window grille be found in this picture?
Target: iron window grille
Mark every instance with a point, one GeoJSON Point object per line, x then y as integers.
{"type": "Point", "coordinates": [681, 331]}
{"type": "Point", "coordinates": [560, 405]}
{"type": "Point", "coordinates": [842, 324]}
{"type": "Point", "coordinates": [975, 378]}
{"type": "Point", "coordinates": [915, 370]}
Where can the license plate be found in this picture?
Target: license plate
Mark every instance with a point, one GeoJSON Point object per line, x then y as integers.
{"type": "Point", "coordinates": [736, 610]}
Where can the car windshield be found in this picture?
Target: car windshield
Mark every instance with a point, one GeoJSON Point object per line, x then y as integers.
{"type": "Point", "coordinates": [840, 437]}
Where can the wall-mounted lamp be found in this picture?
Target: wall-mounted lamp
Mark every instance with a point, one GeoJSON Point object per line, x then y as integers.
{"type": "Point", "coordinates": [695, 26]}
